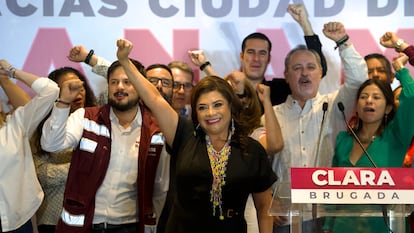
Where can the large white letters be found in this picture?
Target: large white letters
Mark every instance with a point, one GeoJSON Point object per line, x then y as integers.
{"type": "Point", "coordinates": [361, 178]}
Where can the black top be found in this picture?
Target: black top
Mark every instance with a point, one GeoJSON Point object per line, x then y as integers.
{"type": "Point", "coordinates": [279, 92]}
{"type": "Point", "coordinates": [191, 209]}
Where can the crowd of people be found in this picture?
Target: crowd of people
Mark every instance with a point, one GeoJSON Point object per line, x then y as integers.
{"type": "Point", "coordinates": [157, 152]}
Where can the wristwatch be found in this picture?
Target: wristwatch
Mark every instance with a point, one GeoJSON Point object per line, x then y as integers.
{"type": "Point", "coordinates": [398, 43]}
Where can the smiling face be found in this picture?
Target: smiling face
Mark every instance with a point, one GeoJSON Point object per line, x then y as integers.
{"type": "Point", "coordinates": [303, 74]}
{"type": "Point", "coordinates": [122, 95]}
{"type": "Point", "coordinates": [372, 105]}
{"type": "Point", "coordinates": [213, 114]}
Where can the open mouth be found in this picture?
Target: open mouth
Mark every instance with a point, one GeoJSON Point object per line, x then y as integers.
{"type": "Point", "coordinates": [368, 109]}
{"type": "Point", "coordinates": [120, 95]}
{"type": "Point", "coordinates": [304, 81]}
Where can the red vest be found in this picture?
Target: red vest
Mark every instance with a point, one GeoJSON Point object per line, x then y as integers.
{"type": "Point", "coordinates": [87, 170]}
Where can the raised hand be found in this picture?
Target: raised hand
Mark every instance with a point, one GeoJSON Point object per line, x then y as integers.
{"type": "Point", "coordinates": [70, 89]}
{"type": "Point", "coordinates": [5, 67]}
{"type": "Point", "coordinates": [236, 79]}
{"type": "Point", "coordinates": [124, 49]}
{"type": "Point", "coordinates": [263, 92]}
{"type": "Point", "coordinates": [78, 54]}
{"type": "Point", "coordinates": [388, 39]}
{"type": "Point", "coordinates": [197, 57]}
{"type": "Point", "coordinates": [300, 15]}
{"type": "Point", "coordinates": [399, 62]}
{"type": "Point", "coordinates": [298, 12]}
{"type": "Point", "coordinates": [334, 31]}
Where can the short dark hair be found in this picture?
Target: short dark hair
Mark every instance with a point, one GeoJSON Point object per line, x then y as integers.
{"type": "Point", "coordinates": [256, 35]}
{"type": "Point", "coordinates": [301, 48]}
{"type": "Point", "coordinates": [214, 83]}
{"type": "Point", "coordinates": [386, 90]}
{"type": "Point", "coordinates": [162, 66]}
{"type": "Point", "coordinates": [116, 64]}
{"type": "Point", "coordinates": [385, 62]}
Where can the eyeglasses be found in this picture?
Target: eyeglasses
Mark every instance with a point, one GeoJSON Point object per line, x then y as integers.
{"type": "Point", "coordinates": [185, 86]}
{"type": "Point", "coordinates": [164, 82]}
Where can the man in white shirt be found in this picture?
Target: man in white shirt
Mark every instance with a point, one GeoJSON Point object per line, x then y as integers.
{"type": "Point", "coordinates": [113, 170]}
{"type": "Point", "coordinates": [301, 115]}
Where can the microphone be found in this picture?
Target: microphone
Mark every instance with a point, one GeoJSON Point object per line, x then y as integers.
{"type": "Point", "coordinates": [342, 108]}
{"type": "Point", "coordinates": [314, 207]}
{"type": "Point", "coordinates": [324, 109]}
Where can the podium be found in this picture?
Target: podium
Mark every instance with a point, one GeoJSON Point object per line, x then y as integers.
{"type": "Point", "coordinates": [340, 194]}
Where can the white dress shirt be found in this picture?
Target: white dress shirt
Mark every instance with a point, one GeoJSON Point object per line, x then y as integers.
{"type": "Point", "coordinates": [116, 199]}
{"type": "Point", "coordinates": [300, 127]}
{"type": "Point", "coordinates": [20, 191]}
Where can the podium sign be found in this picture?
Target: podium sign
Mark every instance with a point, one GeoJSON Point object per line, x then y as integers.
{"type": "Point", "coordinates": [346, 185]}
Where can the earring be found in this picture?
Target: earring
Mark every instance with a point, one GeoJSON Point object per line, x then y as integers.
{"type": "Point", "coordinates": [196, 128]}
{"type": "Point", "coordinates": [385, 119]}
{"type": "Point", "coordinates": [232, 127]}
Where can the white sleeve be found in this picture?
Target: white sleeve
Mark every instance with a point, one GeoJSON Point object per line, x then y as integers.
{"type": "Point", "coordinates": [356, 73]}
{"type": "Point", "coordinates": [31, 114]}
{"type": "Point", "coordinates": [61, 130]}
{"type": "Point", "coordinates": [101, 67]}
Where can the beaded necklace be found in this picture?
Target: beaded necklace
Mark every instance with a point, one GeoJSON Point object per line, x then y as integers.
{"type": "Point", "coordinates": [218, 162]}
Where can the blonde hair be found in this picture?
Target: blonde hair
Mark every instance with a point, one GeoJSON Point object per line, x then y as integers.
{"type": "Point", "coordinates": [182, 66]}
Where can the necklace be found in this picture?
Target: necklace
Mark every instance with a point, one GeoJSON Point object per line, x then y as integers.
{"type": "Point", "coordinates": [218, 163]}
{"type": "Point", "coordinates": [367, 140]}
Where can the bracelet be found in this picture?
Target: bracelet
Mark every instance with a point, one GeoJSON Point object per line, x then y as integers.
{"type": "Point", "coordinates": [88, 58]}
{"type": "Point", "coordinates": [342, 41]}
{"type": "Point", "coordinates": [11, 71]}
{"type": "Point", "coordinates": [398, 44]}
{"type": "Point", "coordinates": [62, 102]}
{"type": "Point", "coordinates": [204, 65]}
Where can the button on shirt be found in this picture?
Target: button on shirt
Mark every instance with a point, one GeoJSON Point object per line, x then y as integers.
{"type": "Point", "coordinates": [300, 127]}
{"type": "Point", "coordinates": [300, 130]}
{"type": "Point", "coordinates": [116, 199]}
